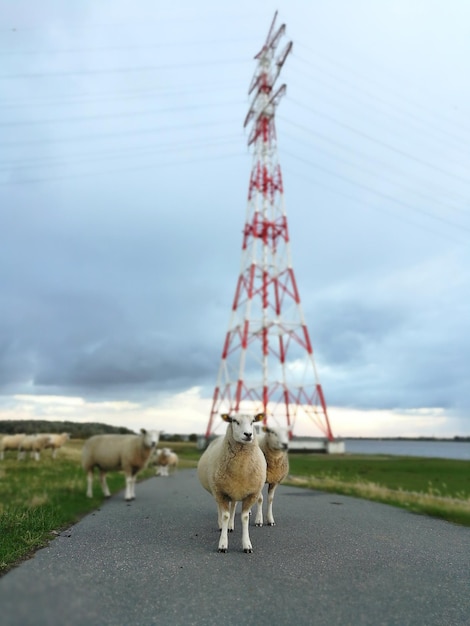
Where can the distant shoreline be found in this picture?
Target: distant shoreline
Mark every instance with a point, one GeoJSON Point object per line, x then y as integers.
{"type": "Point", "coordinates": [456, 439]}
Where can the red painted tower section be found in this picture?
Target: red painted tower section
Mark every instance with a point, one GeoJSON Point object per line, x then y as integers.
{"type": "Point", "coordinates": [267, 358]}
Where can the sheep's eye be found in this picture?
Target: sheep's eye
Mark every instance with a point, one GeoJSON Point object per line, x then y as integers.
{"type": "Point", "coordinates": [236, 422]}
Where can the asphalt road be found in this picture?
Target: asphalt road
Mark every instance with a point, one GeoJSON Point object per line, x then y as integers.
{"type": "Point", "coordinates": [330, 560]}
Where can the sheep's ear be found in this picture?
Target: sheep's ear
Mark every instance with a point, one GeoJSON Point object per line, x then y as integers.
{"type": "Point", "coordinates": [226, 417]}
{"type": "Point", "coordinates": [143, 431]}
{"type": "Point", "coordinates": [259, 417]}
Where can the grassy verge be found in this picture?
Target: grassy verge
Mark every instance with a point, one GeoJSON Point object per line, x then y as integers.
{"type": "Point", "coordinates": [38, 500]}
{"type": "Point", "coordinates": [437, 487]}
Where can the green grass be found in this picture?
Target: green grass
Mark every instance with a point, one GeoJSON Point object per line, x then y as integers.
{"type": "Point", "coordinates": [437, 487]}
{"type": "Point", "coordinates": [39, 499]}
{"type": "Point", "coordinates": [442, 476]}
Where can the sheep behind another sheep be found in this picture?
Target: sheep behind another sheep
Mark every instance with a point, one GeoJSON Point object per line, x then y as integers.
{"type": "Point", "coordinates": [274, 443]}
{"type": "Point", "coordinates": [33, 444]}
{"type": "Point", "coordinates": [129, 453]}
{"type": "Point", "coordinates": [56, 441]}
{"type": "Point", "coordinates": [166, 460]}
{"type": "Point", "coordinates": [233, 468]}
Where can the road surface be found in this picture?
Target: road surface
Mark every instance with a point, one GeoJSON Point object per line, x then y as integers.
{"type": "Point", "coordinates": [330, 560]}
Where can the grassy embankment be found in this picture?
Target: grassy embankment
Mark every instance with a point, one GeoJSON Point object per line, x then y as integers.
{"type": "Point", "coordinates": [38, 499]}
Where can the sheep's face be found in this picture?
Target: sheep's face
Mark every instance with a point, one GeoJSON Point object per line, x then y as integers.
{"type": "Point", "coordinates": [278, 438]}
{"type": "Point", "coordinates": [151, 437]}
{"type": "Point", "coordinates": [242, 426]}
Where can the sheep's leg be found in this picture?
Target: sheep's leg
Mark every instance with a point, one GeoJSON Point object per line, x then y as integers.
{"type": "Point", "coordinates": [104, 484]}
{"type": "Point", "coordinates": [36, 455]}
{"type": "Point", "coordinates": [259, 510]}
{"type": "Point", "coordinates": [54, 451]}
{"type": "Point", "coordinates": [133, 481]}
{"type": "Point", "coordinates": [89, 480]}
{"type": "Point", "coordinates": [2, 455]}
{"type": "Point", "coordinates": [224, 516]}
{"type": "Point", "coordinates": [231, 522]}
{"type": "Point", "coordinates": [271, 489]}
{"type": "Point", "coordinates": [245, 518]}
{"type": "Point", "coordinates": [128, 494]}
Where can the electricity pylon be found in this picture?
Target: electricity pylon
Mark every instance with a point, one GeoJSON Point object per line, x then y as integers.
{"type": "Point", "coordinates": [267, 358]}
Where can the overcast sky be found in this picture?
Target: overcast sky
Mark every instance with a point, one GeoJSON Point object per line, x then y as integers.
{"type": "Point", "coordinates": [124, 172]}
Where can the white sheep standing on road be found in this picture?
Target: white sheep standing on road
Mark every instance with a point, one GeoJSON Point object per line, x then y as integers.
{"type": "Point", "coordinates": [233, 468]}
{"type": "Point", "coordinates": [166, 460]}
{"type": "Point", "coordinates": [10, 442]}
{"type": "Point", "coordinates": [56, 441]}
{"type": "Point", "coordinates": [274, 442]}
{"type": "Point", "coordinates": [129, 453]}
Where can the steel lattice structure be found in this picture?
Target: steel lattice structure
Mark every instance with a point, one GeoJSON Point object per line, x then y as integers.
{"type": "Point", "coordinates": [267, 358]}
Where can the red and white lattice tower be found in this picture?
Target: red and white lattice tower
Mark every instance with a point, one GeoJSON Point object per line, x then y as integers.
{"type": "Point", "coordinates": [267, 358]}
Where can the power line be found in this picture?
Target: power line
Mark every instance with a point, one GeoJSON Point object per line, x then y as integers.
{"type": "Point", "coordinates": [130, 114]}
{"type": "Point", "coordinates": [123, 70]}
{"type": "Point", "coordinates": [399, 113]}
{"type": "Point", "coordinates": [127, 133]}
{"type": "Point", "coordinates": [385, 196]}
{"type": "Point", "coordinates": [123, 153]}
{"type": "Point", "coordinates": [127, 170]}
{"type": "Point", "coordinates": [135, 47]}
{"type": "Point", "coordinates": [354, 164]}
{"type": "Point", "coordinates": [351, 70]}
{"type": "Point", "coordinates": [120, 96]}
{"type": "Point", "coordinates": [339, 192]}
{"type": "Point", "coordinates": [379, 142]}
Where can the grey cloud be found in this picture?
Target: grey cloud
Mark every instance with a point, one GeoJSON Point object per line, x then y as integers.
{"type": "Point", "coordinates": [118, 364]}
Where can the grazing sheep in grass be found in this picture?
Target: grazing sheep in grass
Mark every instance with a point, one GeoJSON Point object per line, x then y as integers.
{"type": "Point", "coordinates": [166, 459]}
{"type": "Point", "coordinates": [233, 468]}
{"type": "Point", "coordinates": [274, 442]}
{"type": "Point", "coordinates": [33, 444]}
{"type": "Point", "coordinates": [56, 441]}
{"type": "Point", "coordinates": [10, 442]}
{"type": "Point", "coordinates": [129, 453]}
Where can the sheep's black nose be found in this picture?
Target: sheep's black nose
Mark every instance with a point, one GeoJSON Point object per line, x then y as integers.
{"type": "Point", "coordinates": [284, 446]}
{"type": "Point", "coordinates": [248, 436]}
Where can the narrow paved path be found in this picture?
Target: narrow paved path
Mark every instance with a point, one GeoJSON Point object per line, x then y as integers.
{"type": "Point", "coordinates": [331, 560]}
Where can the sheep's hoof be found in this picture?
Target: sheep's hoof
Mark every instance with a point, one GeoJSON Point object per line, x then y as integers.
{"type": "Point", "coordinates": [248, 550]}
{"type": "Point", "coordinates": [230, 530]}
{"type": "Point", "coordinates": [259, 524]}
{"type": "Point", "coordinates": [271, 524]}
{"type": "Point", "coordinates": [222, 550]}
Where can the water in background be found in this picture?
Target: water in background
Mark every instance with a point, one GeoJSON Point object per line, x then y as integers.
{"type": "Point", "coordinates": [398, 447]}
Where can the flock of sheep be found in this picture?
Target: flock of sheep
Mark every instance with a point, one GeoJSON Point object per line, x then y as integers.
{"type": "Point", "coordinates": [233, 468]}
{"type": "Point", "coordinates": [34, 444]}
